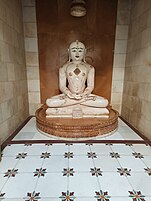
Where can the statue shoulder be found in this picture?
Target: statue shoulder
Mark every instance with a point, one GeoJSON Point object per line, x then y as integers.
{"type": "Point", "coordinates": [88, 65]}
{"type": "Point", "coordinates": [65, 66]}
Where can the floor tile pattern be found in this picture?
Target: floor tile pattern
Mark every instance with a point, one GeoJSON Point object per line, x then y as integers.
{"type": "Point", "coordinates": [75, 171]}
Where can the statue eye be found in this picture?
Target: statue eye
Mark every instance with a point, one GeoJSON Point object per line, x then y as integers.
{"type": "Point", "coordinates": [73, 50]}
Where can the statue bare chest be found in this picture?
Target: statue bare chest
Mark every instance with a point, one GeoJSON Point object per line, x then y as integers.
{"type": "Point", "coordinates": [79, 71]}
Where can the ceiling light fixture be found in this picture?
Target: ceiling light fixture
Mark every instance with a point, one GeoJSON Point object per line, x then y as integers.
{"type": "Point", "coordinates": [78, 8]}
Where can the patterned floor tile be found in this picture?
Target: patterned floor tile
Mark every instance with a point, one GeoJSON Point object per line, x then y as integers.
{"type": "Point", "coordinates": [39, 172]}
{"type": "Point", "coordinates": [91, 155]}
{"type": "Point", "coordinates": [147, 198]}
{"type": "Point", "coordinates": [85, 199]}
{"type": "Point", "coordinates": [22, 155]}
{"type": "Point", "coordinates": [68, 172]}
{"type": "Point", "coordinates": [88, 185]}
{"type": "Point", "coordinates": [102, 195]}
{"type": "Point", "coordinates": [32, 196]}
{"type": "Point", "coordinates": [136, 195]}
{"type": "Point", "coordinates": [58, 149]}
{"type": "Point", "coordinates": [84, 172]}
{"type": "Point", "coordinates": [3, 180]}
{"type": "Point", "coordinates": [13, 149]}
{"type": "Point", "coordinates": [11, 173]}
{"type": "Point", "coordinates": [141, 181]}
{"type": "Point", "coordinates": [55, 163]}
{"type": "Point", "coordinates": [142, 148]}
{"type": "Point", "coordinates": [52, 185]}
{"type": "Point", "coordinates": [123, 199]}
{"type": "Point", "coordinates": [67, 196]}
{"type": "Point", "coordinates": [148, 171]}
{"type": "Point", "coordinates": [68, 155]}
{"type": "Point", "coordinates": [106, 163]}
{"type": "Point", "coordinates": [114, 155]}
{"type": "Point", "coordinates": [130, 162]}
{"type": "Point", "coordinates": [29, 164]}
{"type": "Point", "coordinates": [14, 199]}
{"type": "Point", "coordinates": [124, 171]}
{"type": "Point", "coordinates": [79, 149]}
{"type": "Point", "coordinates": [48, 199]}
{"type": "Point", "coordinates": [137, 155]}
{"type": "Point", "coordinates": [114, 184]}
{"type": "Point", "coordinates": [96, 171]}
{"type": "Point", "coordinates": [147, 160]}
{"type": "Point", "coordinates": [45, 155]}
{"type": "Point", "coordinates": [7, 163]}
{"type": "Point", "coordinates": [101, 149]}
{"type": "Point", "coordinates": [36, 149]}
{"type": "Point", "coordinates": [18, 186]}
{"type": "Point", "coordinates": [81, 163]}
{"type": "Point", "coordinates": [122, 149]}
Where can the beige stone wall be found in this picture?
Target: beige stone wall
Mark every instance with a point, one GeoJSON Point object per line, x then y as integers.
{"type": "Point", "coordinates": [121, 37]}
{"type": "Point", "coordinates": [136, 105]}
{"type": "Point", "coordinates": [13, 81]}
{"type": "Point", "coordinates": [31, 51]}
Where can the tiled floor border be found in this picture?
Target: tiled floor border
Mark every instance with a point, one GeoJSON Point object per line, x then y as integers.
{"type": "Point", "coordinates": [9, 140]}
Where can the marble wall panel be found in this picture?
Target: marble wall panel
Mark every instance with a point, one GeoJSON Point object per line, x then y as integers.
{"type": "Point", "coordinates": [31, 54]}
{"type": "Point", "coordinates": [13, 79]}
{"type": "Point", "coordinates": [32, 59]}
{"type": "Point", "coordinates": [121, 39]}
{"type": "Point", "coordinates": [137, 84]}
{"type": "Point", "coordinates": [30, 30]}
{"type": "Point", "coordinates": [29, 14]}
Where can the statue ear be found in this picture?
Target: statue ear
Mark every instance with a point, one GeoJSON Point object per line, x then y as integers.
{"type": "Point", "coordinates": [85, 50]}
{"type": "Point", "coordinates": [69, 59]}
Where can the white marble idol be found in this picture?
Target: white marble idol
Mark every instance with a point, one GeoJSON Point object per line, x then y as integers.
{"type": "Point", "coordinates": [76, 82]}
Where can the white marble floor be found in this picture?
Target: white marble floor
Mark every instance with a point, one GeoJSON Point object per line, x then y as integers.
{"type": "Point", "coordinates": [30, 132]}
{"type": "Point", "coordinates": [76, 171]}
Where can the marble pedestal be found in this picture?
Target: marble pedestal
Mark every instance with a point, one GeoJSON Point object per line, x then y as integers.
{"type": "Point", "coordinates": [76, 128]}
{"type": "Point", "coordinates": [77, 111]}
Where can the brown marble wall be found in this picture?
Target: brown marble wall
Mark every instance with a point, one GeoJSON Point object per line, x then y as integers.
{"type": "Point", "coordinates": [136, 104]}
{"type": "Point", "coordinates": [13, 80]}
{"type": "Point", "coordinates": [57, 29]}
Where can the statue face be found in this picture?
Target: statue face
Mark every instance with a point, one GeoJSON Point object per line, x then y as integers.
{"type": "Point", "coordinates": [77, 51]}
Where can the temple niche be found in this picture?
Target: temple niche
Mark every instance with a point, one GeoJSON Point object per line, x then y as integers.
{"type": "Point", "coordinates": [76, 113]}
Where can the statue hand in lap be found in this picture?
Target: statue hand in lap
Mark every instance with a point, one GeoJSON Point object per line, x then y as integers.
{"type": "Point", "coordinates": [76, 81]}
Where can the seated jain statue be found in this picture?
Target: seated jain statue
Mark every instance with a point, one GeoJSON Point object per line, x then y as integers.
{"type": "Point", "coordinates": [76, 82]}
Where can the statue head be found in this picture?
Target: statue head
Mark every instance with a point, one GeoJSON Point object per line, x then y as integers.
{"type": "Point", "coordinates": [77, 51]}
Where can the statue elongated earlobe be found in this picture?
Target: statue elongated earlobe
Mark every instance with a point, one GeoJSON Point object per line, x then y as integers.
{"type": "Point", "coordinates": [69, 59]}
{"type": "Point", "coordinates": [84, 54]}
